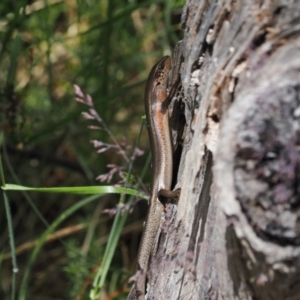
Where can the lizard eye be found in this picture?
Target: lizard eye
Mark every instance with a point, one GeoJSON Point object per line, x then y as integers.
{"type": "Point", "coordinates": [160, 68]}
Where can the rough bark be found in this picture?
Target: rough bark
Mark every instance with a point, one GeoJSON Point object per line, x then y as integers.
{"type": "Point", "coordinates": [235, 231]}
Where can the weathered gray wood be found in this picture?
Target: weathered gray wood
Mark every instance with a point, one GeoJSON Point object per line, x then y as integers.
{"type": "Point", "coordinates": [235, 233]}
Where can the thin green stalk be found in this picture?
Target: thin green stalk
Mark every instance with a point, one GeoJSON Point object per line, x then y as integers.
{"type": "Point", "coordinates": [12, 246]}
{"type": "Point", "coordinates": [2, 178]}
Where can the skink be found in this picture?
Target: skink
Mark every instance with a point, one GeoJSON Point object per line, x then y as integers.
{"type": "Point", "coordinates": [156, 105]}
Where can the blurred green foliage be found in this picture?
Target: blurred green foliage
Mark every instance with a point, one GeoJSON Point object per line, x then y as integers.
{"type": "Point", "coordinates": [107, 48]}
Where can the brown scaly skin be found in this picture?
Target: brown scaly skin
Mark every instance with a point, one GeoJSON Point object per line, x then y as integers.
{"type": "Point", "coordinates": [156, 105]}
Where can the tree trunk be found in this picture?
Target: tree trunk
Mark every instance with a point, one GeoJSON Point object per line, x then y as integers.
{"type": "Point", "coordinates": [235, 231]}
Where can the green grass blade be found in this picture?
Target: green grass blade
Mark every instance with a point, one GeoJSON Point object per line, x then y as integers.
{"type": "Point", "coordinates": [80, 190]}
{"type": "Point", "coordinates": [112, 242]}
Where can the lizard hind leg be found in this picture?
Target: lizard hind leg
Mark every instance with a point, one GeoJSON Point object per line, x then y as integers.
{"type": "Point", "coordinates": [141, 287]}
{"type": "Point", "coordinates": [137, 291]}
